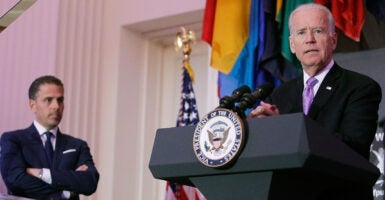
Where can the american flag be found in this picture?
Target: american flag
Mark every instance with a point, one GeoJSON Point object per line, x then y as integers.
{"type": "Point", "coordinates": [188, 113]}
{"type": "Point", "coordinates": [187, 116]}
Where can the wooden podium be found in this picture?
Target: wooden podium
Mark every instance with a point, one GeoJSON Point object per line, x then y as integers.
{"type": "Point", "coordinates": [285, 157]}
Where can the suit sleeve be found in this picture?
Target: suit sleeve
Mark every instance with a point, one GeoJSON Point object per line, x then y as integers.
{"type": "Point", "coordinates": [13, 171]}
{"type": "Point", "coordinates": [359, 122]}
{"type": "Point", "coordinates": [80, 182]}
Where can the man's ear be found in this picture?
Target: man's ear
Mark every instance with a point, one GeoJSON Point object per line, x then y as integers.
{"type": "Point", "coordinates": [292, 48]}
{"type": "Point", "coordinates": [32, 105]}
{"type": "Point", "coordinates": [334, 40]}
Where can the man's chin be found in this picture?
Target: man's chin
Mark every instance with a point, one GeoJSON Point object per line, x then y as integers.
{"type": "Point", "coordinates": [312, 62]}
{"type": "Point", "coordinates": [54, 123]}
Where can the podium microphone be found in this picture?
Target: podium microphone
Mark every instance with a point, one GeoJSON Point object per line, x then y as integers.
{"type": "Point", "coordinates": [228, 101]}
{"type": "Point", "coordinates": [248, 100]}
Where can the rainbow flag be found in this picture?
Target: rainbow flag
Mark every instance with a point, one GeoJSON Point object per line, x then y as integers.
{"type": "Point", "coordinates": [233, 38]}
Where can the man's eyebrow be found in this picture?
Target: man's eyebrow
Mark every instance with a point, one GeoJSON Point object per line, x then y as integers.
{"type": "Point", "coordinates": [301, 29]}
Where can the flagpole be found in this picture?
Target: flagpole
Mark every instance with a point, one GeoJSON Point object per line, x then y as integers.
{"type": "Point", "coordinates": [188, 113]}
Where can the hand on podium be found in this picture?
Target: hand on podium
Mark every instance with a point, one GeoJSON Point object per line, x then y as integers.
{"type": "Point", "coordinates": [264, 110]}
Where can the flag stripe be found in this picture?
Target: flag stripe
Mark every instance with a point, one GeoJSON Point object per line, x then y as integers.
{"type": "Point", "coordinates": [230, 33]}
{"type": "Point", "coordinates": [208, 21]}
{"type": "Point", "coordinates": [243, 71]}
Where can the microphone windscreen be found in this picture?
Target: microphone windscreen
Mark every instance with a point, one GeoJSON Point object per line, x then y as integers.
{"type": "Point", "coordinates": [237, 93]}
{"type": "Point", "coordinates": [263, 90]}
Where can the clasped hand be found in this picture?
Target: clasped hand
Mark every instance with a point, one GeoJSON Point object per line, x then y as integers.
{"type": "Point", "coordinates": [36, 171]}
{"type": "Point", "coordinates": [264, 110]}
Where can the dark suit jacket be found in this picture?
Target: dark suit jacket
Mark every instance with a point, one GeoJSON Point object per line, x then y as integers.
{"type": "Point", "coordinates": [21, 149]}
{"type": "Point", "coordinates": [346, 104]}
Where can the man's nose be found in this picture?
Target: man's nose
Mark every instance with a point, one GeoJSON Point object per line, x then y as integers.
{"type": "Point", "coordinates": [310, 37]}
{"type": "Point", "coordinates": [55, 104]}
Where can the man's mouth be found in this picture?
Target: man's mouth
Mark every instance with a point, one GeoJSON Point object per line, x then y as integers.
{"type": "Point", "coordinates": [55, 115]}
{"type": "Point", "coordinates": [311, 51]}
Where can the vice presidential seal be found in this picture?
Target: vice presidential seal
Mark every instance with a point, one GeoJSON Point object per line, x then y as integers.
{"type": "Point", "coordinates": [218, 138]}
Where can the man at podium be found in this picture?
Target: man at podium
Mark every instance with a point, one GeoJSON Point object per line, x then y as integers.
{"type": "Point", "coordinates": [342, 101]}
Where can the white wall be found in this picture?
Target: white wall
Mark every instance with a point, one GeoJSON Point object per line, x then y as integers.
{"type": "Point", "coordinates": [27, 50]}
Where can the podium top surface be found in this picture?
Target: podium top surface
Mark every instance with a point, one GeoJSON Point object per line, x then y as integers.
{"type": "Point", "coordinates": [291, 141]}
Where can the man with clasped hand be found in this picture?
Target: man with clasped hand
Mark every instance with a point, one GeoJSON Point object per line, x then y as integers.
{"type": "Point", "coordinates": [344, 102]}
{"type": "Point", "coordinates": [31, 169]}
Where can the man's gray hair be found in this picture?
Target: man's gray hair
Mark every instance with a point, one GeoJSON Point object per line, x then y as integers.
{"type": "Point", "coordinates": [310, 6]}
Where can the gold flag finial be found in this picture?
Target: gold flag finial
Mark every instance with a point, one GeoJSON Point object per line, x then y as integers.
{"type": "Point", "coordinates": [184, 40]}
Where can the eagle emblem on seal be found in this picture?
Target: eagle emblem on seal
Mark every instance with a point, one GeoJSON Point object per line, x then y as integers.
{"type": "Point", "coordinates": [217, 137]}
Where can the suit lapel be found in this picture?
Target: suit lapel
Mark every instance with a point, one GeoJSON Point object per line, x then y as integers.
{"type": "Point", "coordinates": [59, 148]}
{"type": "Point", "coordinates": [327, 88]}
{"type": "Point", "coordinates": [298, 93]}
{"type": "Point", "coordinates": [290, 98]}
{"type": "Point", "coordinates": [35, 140]}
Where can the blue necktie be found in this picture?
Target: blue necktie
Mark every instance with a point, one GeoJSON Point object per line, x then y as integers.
{"type": "Point", "coordinates": [48, 147]}
{"type": "Point", "coordinates": [308, 94]}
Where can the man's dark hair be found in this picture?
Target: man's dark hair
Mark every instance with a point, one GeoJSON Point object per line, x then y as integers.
{"type": "Point", "coordinates": [34, 88]}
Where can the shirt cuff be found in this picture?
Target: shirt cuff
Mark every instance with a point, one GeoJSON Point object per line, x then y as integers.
{"type": "Point", "coordinates": [66, 194]}
{"type": "Point", "coordinates": [46, 176]}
